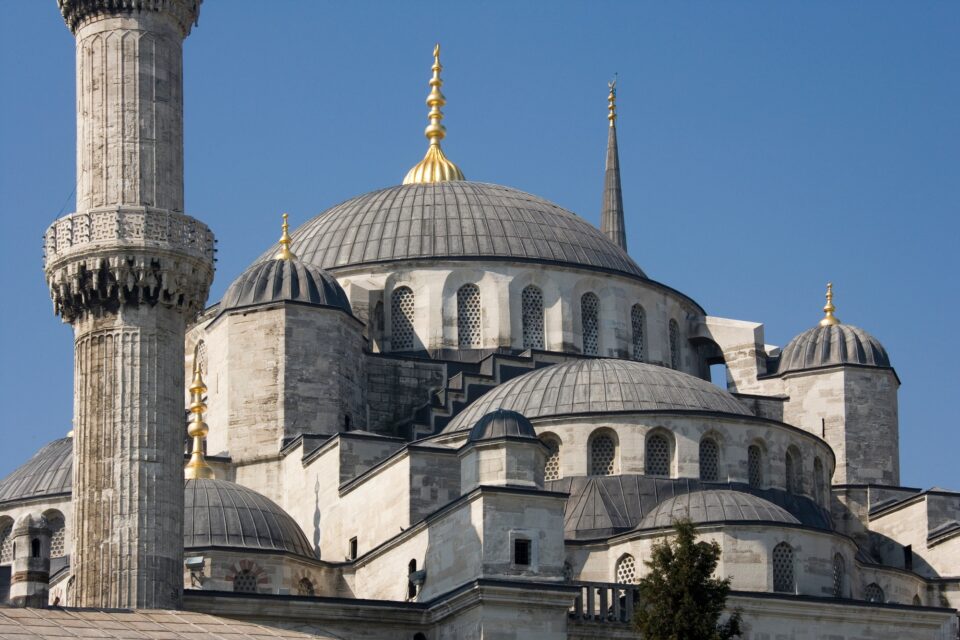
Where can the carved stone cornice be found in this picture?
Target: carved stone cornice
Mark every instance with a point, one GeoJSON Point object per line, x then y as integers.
{"type": "Point", "coordinates": [77, 12]}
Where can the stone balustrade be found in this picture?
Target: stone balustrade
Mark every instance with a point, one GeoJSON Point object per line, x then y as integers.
{"type": "Point", "coordinates": [605, 602]}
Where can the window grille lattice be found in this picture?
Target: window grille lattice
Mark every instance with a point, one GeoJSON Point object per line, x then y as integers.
{"type": "Point", "coordinates": [401, 319]}
{"type": "Point", "coordinates": [839, 569]}
{"type": "Point", "coordinates": [627, 570]}
{"type": "Point", "coordinates": [245, 582]}
{"type": "Point", "coordinates": [755, 466]}
{"type": "Point", "coordinates": [305, 587]}
{"type": "Point", "coordinates": [590, 318]}
{"type": "Point", "coordinates": [818, 480]}
{"type": "Point", "coordinates": [552, 470]}
{"type": "Point", "coordinates": [636, 321]}
{"type": "Point", "coordinates": [6, 545]}
{"type": "Point", "coordinates": [57, 538]}
{"type": "Point", "coordinates": [709, 460]}
{"type": "Point", "coordinates": [783, 568]}
{"type": "Point", "coordinates": [792, 471]}
{"type": "Point", "coordinates": [531, 307]}
{"type": "Point", "coordinates": [603, 451]}
{"type": "Point", "coordinates": [674, 345]}
{"type": "Point", "coordinates": [468, 316]}
{"type": "Point", "coordinates": [873, 593]}
{"type": "Point", "coordinates": [658, 456]}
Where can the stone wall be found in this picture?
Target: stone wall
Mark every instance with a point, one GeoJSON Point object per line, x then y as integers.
{"type": "Point", "coordinates": [397, 387]}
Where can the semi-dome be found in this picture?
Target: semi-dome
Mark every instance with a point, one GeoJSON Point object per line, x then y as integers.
{"type": "Point", "coordinates": [502, 423]}
{"type": "Point", "coordinates": [49, 472]}
{"type": "Point", "coordinates": [284, 280]}
{"type": "Point", "coordinates": [715, 505]}
{"type": "Point", "coordinates": [218, 513]}
{"type": "Point", "coordinates": [454, 220]}
{"type": "Point", "coordinates": [825, 346]}
{"type": "Point", "coordinates": [600, 386]}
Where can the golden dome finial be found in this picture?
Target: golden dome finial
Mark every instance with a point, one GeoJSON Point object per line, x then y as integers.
{"type": "Point", "coordinates": [828, 309]}
{"type": "Point", "coordinates": [612, 101]}
{"type": "Point", "coordinates": [197, 467]}
{"type": "Point", "coordinates": [435, 167]}
{"type": "Point", "coordinates": [285, 253]}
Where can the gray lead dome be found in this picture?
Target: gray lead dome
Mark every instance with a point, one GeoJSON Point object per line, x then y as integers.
{"type": "Point", "coordinates": [284, 281]}
{"type": "Point", "coordinates": [459, 220]}
{"type": "Point", "coordinates": [502, 423]}
{"type": "Point", "coordinates": [832, 345]}
{"type": "Point", "coordinates": [715, 505]}
{"type": "Point", "coordinates": [48, 473]}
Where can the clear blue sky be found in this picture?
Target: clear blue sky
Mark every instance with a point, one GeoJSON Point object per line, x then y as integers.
{"type": "Point", "coordinates": [766, 148]}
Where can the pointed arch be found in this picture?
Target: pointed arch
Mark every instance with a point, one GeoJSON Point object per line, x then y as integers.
{"type": "Point", "coordinates": [603, 449]}
{"type": "Point", "coordinates": [658, 453]}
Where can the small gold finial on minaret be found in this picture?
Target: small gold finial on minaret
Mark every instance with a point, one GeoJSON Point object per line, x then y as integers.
{"type": "Point", "coordinates": [828, 309]}
{"type": "Point", "coordinates": [435, 167]}
{"type": "Point", "coordinates": [285, 253]}
{"type": "Point", "coordinates": [197, 467]}
{"type": "Point", "coordinates": [612, 101]}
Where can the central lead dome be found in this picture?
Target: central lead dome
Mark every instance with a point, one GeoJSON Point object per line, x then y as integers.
{"type": "Point", "coordinates": [454, 220]}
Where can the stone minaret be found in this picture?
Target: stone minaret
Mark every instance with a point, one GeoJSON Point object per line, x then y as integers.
{"type": "Point", "coordinates": [128, 270]}
{"type": "Point", "coordinates": [611, 213]}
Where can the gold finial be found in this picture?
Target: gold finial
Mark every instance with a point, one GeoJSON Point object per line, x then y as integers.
{"type": "Point", "coordinates": [435, 167]}
{"type": "Point", "coordinates": [285, 253]}
{"type": "Point", "coordinates": [612, 101]}
{"type": "Point", "coordinates": [828, 309]}
{"type": "Point", "coordinates": [197, 467]}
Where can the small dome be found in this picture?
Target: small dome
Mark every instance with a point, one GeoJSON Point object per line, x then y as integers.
{"type": "Point", "coordinates": [217, 513]}
{"type": "Point", "coordinates": [825, 346]}
{"type": "Point", "coordinates": [715, 505]}
{"type": "Point", "coordinates": [48, 473]}
{"type": "Point", "coordinates": [290, 280]}
{"type": "Point", "coordinates": [501, 423]}
{"type": "Point", "coordinates": [599, 386]}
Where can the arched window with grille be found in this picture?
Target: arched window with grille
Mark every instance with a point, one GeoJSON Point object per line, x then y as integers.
{"type": "Point", "coordinates": [873, 593]}
{"type": "Point", "coordinates": [401, 319]}
{"type": "Point", "coordinates": [755, 466]}
{"type": "Point", "coordinates": [626, 570]}
{"type": "Point", "coordinates": [245, 581]}
{"type": "Point", "coordinates": [818, 484]}
{"type": "Point", "coordinates": [783, 581]}
{"type": "Point", "coordinates": [839, 575]}
{"type": "Point", "coordinates": [709, 459]}
{"type": "Point", "coordinates": [531, 316]}
{"type": "Point", "coordinates": [56, 524]}
{"type": "Point", "coordinates": [657, 455]}
{"type": "Point", "coordinates": [305, 587]}
{"type": "Point", "coordinates": [637, 319]}
{"type": "Point", "coordinates": [792, 470]}
{"type": "Point", "coordinates": [590, 321]}
{"type": "Point", "coordinates": [674, 345]}
{"type": "Point", "coordinates": [6, 541]}
{"type": "Point", "coordinates": [552, 468]}
{"type": "Point", "coordinates": [603, 454]}
{"type": "Point", "coordinates": [916, 601]}
{"type": "Point", "coordinates": [468, 317]}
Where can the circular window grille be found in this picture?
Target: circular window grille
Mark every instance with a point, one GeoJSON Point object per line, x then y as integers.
{"type": "Point", "coordinates": [658, 456]}
{"type": "Point", "coordinates": [674, 345]}
{"type": "Point", "coordinates": [245, 582]}
{"type": "Point", "coordinates": [636, 322]}
{"type": "Point", "coordinates": [873, 593]}
{"type": "Point", "coordinates": [839, 570]}
{"type": "Point", "coordinates": [754, 468]}
{"type": "Point", "coordinates": [783, 568]}
{"type": "Point", "coordinates": [6, 545]}
{"type": "Point", "coordinates": [709, 460]}
{"type": "Point", "coordinates": [305, 587]}
{"type": "Point", "coordinates": [627, 570]}
{"type": "Point", "coordinates": [589, 316]}
{"type": "Point", "coordinates": [552, 470]}
{"type": "Point", "coordinates": [57, 538]}
{"type": "Point", "coordinates": [401, 319]}
{"type": "Point", "coordinates": [602, 454]}
{"type": "Point", "coordinates": [531, 304]}
{"type": "Point", "coordinates": [468, 316]}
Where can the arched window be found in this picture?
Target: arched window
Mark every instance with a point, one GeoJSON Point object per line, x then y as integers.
{"type": "Point", "coordinates": [818, 480]}
{"type": "Point", "coordinates": [603, 455]}
{"type": "Point", "coordinates": [709, 460]}
{"type": "Point", "coordinates": [58, 546]}
{"type": "Point", "coordinates": [626, 570]}
{"type": "Point", "coordinates": [401, 319]}
{"type": "Point", "coordinates": [6, 542]}
{"type": "Point", "coordinates": [245, 582]}
{"type": "Point", "coordinates": [531, 315]}
{"type": "Point", "coordinates": [411, 585]}
{"type": "Point", "coordinates": [590, 321]}
{"type": "Point", "coordinates": [674, 345]}
{"type": "Point", "coordinates": [755, 466]}
{"type": "Point", "coordinates": [657, 455]}
{"type": "Point", "coordinates": [35, 548]}
{"type": "Point", "coordinates": [792, 471]}
{"type": "Point", "coordinates": [839, 573]}
{"type": "Point", "coordinates": [783, 568]}
{"type": "Point", "coordinates": [304, 587]}
{"type": "Point", "coordinates": [468, 316]}
{"type": "Point", "coordinates": [916, 601]}
{"type": "Point", "coordinates": [873, 593]}
{"type": "Point", "coordinates": [552, 469]}
{"type": "Point", "coordinates": [636, 323]}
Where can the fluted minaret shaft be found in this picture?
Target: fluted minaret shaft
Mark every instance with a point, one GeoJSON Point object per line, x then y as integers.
{"type": "Point", "coordinates": [128, 270]}
{"type": "Point", "coordinates": [611, 212]}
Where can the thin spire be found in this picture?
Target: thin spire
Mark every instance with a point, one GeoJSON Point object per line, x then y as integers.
{"type": "Point", "coordinates": [828, 309]}
{"type": "Point", "coordinates": [611, 212]}
{"type": "Point", "coordinates": [285, 253]}
{"type": "Point", "coordinates": [197, 467]}
{"type": "Point", "coordinates": [435, 167]}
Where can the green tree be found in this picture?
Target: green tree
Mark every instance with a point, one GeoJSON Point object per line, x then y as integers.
{"type": "Point", "coordinates": [679, 597]}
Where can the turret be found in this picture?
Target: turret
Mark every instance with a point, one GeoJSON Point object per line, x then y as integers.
{"type": "Point", "coordinates": [30, 578]}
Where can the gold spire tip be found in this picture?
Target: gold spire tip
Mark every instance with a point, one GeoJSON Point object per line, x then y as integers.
{"type": "Point", "coordinates": [435, 167]}
{"type": "Point", "coordinates": [285, 253]}
{"type": "Point", "coordinates": [828, 318]}
{"type": "Point", "coordinates": [612, 101]}
{"type": "Point", "coordinates": [197, 467]}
